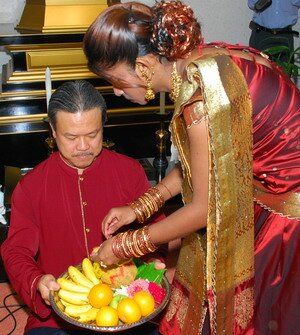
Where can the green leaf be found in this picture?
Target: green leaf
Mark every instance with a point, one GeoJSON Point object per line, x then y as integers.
{"type": "Point", "coordinates": [148, 271]}
{"type": "Point", "coordinates": [291, 67]}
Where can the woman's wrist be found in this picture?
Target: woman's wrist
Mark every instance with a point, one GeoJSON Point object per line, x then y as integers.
{"type": "Point", "coordinates": [133, 244]}
{"type": "Point", "coordinates": [147, 204]}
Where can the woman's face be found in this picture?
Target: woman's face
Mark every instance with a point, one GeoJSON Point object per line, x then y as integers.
{"type": "Point", "coordinates": [126, 82]}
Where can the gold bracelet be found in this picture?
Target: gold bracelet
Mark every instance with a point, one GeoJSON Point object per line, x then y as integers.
{"type": "Point", "coordinates": [161, 183]}
{"type": "Point", "coordinates": [147, 204]}
{"type": "Point", "coordinates": [133, 243]}
{"type": "Point", "coordinates": [138, 211]}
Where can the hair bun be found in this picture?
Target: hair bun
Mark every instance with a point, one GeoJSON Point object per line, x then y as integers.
{"type": "Point", "coordinates": [176, 31]}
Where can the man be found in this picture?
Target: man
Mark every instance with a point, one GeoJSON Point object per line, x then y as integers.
{"type": "Point", "coordinates": [272, 24]}
{"type": "Point", "coordinates": [58, 207]}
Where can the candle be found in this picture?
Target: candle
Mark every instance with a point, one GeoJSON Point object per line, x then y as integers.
{"type": "Point", "coordinates": [162, 102]}
{"type": "Point", "coordinates": [48, 85]}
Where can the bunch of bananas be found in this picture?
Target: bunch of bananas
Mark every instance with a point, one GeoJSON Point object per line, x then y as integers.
{"type": "Point", "coordinates": [72, 298]}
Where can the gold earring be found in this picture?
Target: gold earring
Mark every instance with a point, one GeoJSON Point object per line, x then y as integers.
{"type": "Point", "coordinates": [150, 95]}
{"type": "Point", "coordinates": [176, 82]}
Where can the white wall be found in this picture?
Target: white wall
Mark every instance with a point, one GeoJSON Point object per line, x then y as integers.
{"type": "Point", "coordinates": [10, 14]}
{"type": "Point", "coordinates": [221, 20]}
{"type": "Point", "coordinates": [10, 10]}
{"type": "Point", "coordinates": [216, 18]}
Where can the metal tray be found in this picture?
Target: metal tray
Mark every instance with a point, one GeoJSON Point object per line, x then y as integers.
{"type": "Point", "coordinates": [92, 326]}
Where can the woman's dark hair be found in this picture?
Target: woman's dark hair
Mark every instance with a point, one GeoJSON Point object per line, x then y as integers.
{"type": "Point", "coordinates": [73, 97]}
{"type": "Point", "coordinates": [123, 32]}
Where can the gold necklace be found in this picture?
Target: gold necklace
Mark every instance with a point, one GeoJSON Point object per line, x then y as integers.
{"type": "Point", "coordinates": [176, 82]}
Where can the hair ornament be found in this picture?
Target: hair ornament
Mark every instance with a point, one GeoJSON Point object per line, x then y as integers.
{"type": "Point", "coordinates": [133, 18]}
{"type": "Point", "coordinates": [176, 31]}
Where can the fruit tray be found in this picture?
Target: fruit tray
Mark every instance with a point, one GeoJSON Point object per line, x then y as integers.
{"type": "Point", "coordinates": [54, 301]}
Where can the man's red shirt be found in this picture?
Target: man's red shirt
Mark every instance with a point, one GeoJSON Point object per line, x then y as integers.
{"type": "Point", "coordinates": [56, 221]}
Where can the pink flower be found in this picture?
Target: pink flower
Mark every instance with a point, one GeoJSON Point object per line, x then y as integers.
{"type": "Point", "coordinates": [136, 286]}
{"type": "Point", "coordinates": [157, 292]}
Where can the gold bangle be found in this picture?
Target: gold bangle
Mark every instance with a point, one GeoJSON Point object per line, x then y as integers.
{"type": "Point", "coordinates": [161, 183]}
{"type": "Point", "coordinates": [133, 243]}
{"type": "Point", "coordinates": [147, 204]}
{"type": "Point", "coordinates": [150, 246]}
{"type": "Point", "coordinates": [116, 246]}
{"type": "Point", "coordinates": [138, 211]}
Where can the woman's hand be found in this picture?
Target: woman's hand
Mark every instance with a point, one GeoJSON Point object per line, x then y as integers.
{"type": "Point", "coordinates": [105, 257]}
{"type": "Point", "coordinates": [46, 284]}
{"type": "Point", "coordinates": [116, 218]}
{"type": "Point", "coordinates": [103, 254]}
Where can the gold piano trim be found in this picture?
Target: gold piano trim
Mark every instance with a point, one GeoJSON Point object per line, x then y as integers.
{"type": "Point", "coordinates": [34, 76]}
{"type": "Point", "coordinates": [37, 94]}
{"type": "Point", "coordinates": [7, 120]}
{"type": "Point", "coordinates": [66, 61]}
{"type": "Point", "coordinates": [58, 16]}
{"type": "Point", "coordinates": [36, 60]}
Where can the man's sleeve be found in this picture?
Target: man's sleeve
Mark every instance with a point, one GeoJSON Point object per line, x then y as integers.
{"type": "Point", "coordinates": [19, 250]}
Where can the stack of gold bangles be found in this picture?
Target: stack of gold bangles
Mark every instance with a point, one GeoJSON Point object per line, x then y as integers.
{"type": "Point", "coordinates": [147, 204]}
{"type": "Point", "coordinates": [133, 243]}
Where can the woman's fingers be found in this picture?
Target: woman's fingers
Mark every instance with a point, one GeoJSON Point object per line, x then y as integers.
{"type": "Point", "coordinates": [110, 227]}
{"type": "Point", "coordinates": [104, 254]}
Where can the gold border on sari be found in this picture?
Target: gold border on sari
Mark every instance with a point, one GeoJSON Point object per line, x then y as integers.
{"type": "Point", "coordinates": [228, 247]}
{"type": "Point", "coordinates": [286, 204]}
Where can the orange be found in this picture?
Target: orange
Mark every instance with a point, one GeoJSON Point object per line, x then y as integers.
{"type": "Point", "coordinates": [107, 317]}
{"type": "Point", "coordinates": [145, 301]}
{"type": "Point", "coordinates": [129, 311]}
{"type": "Point", "coordinates": [100, 295]}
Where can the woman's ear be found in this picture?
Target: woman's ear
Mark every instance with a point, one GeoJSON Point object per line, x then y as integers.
{"type": "Point", "coordinates": [147, 62]}
{"type": "Point", "coordinates": [142, 68]}
{"type": "Point", "coordinates": [145, 71]}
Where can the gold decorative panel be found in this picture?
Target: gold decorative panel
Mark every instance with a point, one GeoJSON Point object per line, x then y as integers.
{"type": "Point", "coordinates": [57, 16]}
{"type": "Point", "coordinates": [67, 58]}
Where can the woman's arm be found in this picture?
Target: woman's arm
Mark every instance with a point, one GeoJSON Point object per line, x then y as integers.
{"type": "Point", "coordinates": [120, 216]}
{"type": "Point", "coordinates": [187, 219]}
{"type": "Point", "coordinates": [192, 216]}
{"type": "Point", "coordinates": [171, 184]}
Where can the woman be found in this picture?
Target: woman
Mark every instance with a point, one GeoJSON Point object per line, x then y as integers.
{"type": "Point", "coordinates": [235, 126]}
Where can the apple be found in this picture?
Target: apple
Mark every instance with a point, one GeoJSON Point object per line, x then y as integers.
{"type": "Point", "coordinates": [116, 299]}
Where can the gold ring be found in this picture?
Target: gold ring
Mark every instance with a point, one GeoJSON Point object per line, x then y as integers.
{"type": "Point", "coordinates": [102, 264]}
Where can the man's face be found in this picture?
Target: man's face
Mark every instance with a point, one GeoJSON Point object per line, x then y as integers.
{"type": "Point", "coordinates": [79, 136]}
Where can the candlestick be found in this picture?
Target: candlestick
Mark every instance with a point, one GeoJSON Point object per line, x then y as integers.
{"type": "Point", "coordinates": [162, 102]}
{"type": "Point", "coordinates": [48, 85]}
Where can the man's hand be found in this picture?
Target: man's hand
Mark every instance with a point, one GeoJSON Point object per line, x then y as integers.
{"type": "Point", "coordinates": [46, 284]}
{"type": "Point", "coordinates": [158, 264]}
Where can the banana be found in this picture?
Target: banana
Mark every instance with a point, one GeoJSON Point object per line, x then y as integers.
{"type": "Point", "coordinates": [60, 305]}
{"type": "Point", "coordinates": [75, 310]}
{"type": "Point", "coordinates": [88, 316]}
{"type": "Point", "coordinates": [88, 270]}
{"type": "Point", "coordinates": [78, 277]}
{"type": "Point", "coordinates": [69, 285]}
{"type": "Point", "coordinates": [65, 303]}
{"type": "Point", "coordinates": [98, 270]}
{"type": "Point", "coordinates": [73, 297]}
